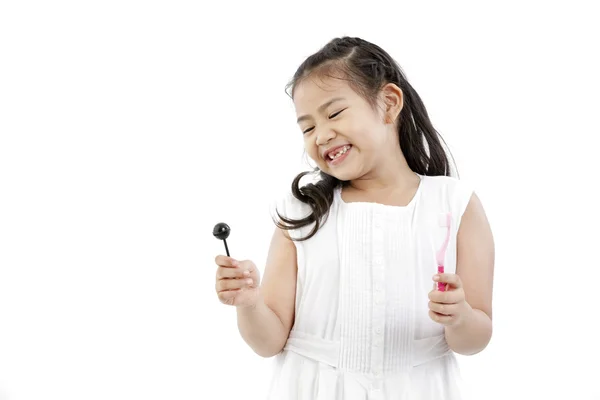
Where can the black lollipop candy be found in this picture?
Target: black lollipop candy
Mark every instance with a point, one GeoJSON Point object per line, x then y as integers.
{"type": "Point", "coordinates": [221, 231]}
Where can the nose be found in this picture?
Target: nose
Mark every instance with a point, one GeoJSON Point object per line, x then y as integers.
{"type": "Point", "coordinates": [324, 136]}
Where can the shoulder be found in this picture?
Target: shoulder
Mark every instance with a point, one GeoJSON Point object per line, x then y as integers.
{"type": "Point", "coordinates": [448, 183]}
{"type": "Point", "coordinates": [288, 206]}
{"type": "Point", "coordinates": [450, 193]}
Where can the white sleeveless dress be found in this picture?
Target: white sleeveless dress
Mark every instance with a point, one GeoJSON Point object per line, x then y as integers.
{"type": "Point", "coordinates": [362, 329]}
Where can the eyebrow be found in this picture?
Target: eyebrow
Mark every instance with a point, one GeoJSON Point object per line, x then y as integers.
{"type": "Point", "coordinates": [321, 108]}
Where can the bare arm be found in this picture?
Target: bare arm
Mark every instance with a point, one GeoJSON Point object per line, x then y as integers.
{"type": "Point", "coordinates": [475, 267]}
{"type": "Point", "coordinates": [266, 326]}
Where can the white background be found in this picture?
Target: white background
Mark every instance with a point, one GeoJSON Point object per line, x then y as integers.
{"type": "Point", "coordinates": [129, 129]}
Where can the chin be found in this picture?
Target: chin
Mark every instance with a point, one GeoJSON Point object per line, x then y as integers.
{"type": "Point", "coordinates": [341, 175]}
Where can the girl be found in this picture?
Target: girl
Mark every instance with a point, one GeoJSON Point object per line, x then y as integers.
{"type": "Point", "coordinates": [349, 302]}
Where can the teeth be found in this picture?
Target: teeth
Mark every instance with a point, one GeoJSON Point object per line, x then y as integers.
{"type": "Point", "coordinates": [333, 156]}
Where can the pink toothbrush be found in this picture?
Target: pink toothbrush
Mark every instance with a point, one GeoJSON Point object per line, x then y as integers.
{"type": "Point", "coordinates": [444, 221]}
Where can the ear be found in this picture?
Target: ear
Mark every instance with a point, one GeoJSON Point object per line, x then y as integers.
{"type": "Point", "coordinates": [393, 100]}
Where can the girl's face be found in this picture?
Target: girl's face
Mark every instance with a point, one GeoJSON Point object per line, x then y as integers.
{"type": "Point", "coordinates": [343, 135]}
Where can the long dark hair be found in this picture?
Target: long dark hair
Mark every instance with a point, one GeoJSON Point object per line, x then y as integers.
{"type": "Point", "coordinates": [367, 68]}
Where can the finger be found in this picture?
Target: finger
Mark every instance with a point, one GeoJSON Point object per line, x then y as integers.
{"type": "Point", "coordinates": [443, 309]}
{"type": "Point", "coordinates": [442, 319]}
{"type": "Point", "coordinates": [227, 262]}
{"type": "Point", "coordinates": [451, 279]}
{"type": "Point", "coordinates": [247, 265]}
{"type": "Point", "coordinates": [231, 273]}
{"type": "Point", "coordinates": [233, 284]}
{"type": "Point", "coordinates": [440, 297]}
{"type": "Point", "coordinates": [447, 297]}
{"type": "Point", "coordinates": [228, 296]}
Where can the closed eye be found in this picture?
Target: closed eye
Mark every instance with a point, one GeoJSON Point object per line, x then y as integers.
{"type": "Point", "coordinates": [336, 114]}
{"type": "Point", "coordinates": [330, 117]}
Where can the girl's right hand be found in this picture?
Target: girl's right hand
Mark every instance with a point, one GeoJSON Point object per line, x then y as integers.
{"type": "Point", "coordinates": [237, 282]}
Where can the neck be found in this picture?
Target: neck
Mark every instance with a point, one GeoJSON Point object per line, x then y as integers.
{"type": "Point", "coordinates": [390, 176]}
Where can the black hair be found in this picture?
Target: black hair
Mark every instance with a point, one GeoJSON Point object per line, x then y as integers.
{"type": "Point", "coordinates": [367, 68]}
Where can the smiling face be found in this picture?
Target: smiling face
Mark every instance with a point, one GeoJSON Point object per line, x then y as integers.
{"type": "Point", "coordinates": [343, 134]}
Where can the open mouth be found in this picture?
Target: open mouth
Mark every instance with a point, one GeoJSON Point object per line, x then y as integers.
{"type": "Point", "coordinates": [337, 153]}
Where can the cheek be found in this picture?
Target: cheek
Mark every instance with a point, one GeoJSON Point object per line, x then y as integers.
{"type": "Point", "coordinates": [364, 139]}
{"type": "Point", "coordinates": [371, 138]}
{"type": "Point", "coordinates": [310, 147]}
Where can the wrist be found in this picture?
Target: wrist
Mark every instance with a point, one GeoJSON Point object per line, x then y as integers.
{"type": "Point", "coordinates": [471, 334]}
{"type": "Point", "coordinates": [251, 306]}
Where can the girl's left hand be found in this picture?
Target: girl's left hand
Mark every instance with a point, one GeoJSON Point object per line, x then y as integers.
{"type": "Point", "coordinates": [448, 307]}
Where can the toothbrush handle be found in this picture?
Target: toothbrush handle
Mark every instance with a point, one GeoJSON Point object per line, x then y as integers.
{"type": "Point", "coordinates": [441, 285]}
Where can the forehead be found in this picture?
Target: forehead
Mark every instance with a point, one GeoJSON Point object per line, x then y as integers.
{"type": "Point", "coordinates": [312, 92]}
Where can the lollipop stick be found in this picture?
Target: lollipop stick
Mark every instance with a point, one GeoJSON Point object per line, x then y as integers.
{"type": "Point", "coordinates": [226, 248]}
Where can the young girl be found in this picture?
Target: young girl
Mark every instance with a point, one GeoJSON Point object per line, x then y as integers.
{"type": "Point", "coordinates": [349, 300]}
